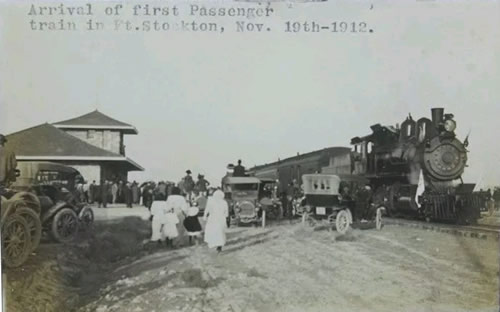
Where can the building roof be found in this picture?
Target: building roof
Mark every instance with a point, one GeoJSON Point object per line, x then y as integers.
{"type": "Point", "coordinates": [46, 142]}
{"type": "Point", "coordinates": [96, 120]}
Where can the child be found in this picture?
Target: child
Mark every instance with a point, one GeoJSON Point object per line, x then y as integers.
{"type": "Point", "coordinates": [158, 221]}
{"type": "Point", "coordinates": [192, 224]}
{"type": "Point", "coordinates": [170, 227]}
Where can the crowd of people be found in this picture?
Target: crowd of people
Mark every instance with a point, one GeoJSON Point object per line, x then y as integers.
{"type": "Point", "coordinates": [174, 207]}
{"type": "Point", "coordinates": [132, 193]}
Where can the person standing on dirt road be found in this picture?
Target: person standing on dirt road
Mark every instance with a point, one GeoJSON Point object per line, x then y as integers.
{"type": "Point", "coordinates": [127, 194]}
{"type": "Point", "coordinates": [188, 185]}
{"type": "Point", "coordinates": [103, 193]}
{"type": "Point", "coordinates": [114, 191]}
{"type": "Point", "coordinates": [158, 210]}
{"type": "Point", "coordinates": [8, 163]}
{"type": "Point", "coordinates": [178, 204]}
{"type": "Point", "coordinates": [202, 185]}
{"type": "Point", "coordinates": [215, 215]}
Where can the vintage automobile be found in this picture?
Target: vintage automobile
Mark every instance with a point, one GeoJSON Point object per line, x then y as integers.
{"type": "Point", "coordinates": [322, 201]}
{"type": "Point", "coordinates": [61, 212]}
{"type": "Point", "coordinates": [248, 197]}
{"type": "Point", "coordinates": [268, 198]}
{"type": "Point", "coordinates": [328, 197]}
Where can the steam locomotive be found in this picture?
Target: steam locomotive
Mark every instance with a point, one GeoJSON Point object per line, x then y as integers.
{"type": "Point", "coordinates": [427, 152]}
{"type": "Point", "coordinates": [395, 160]}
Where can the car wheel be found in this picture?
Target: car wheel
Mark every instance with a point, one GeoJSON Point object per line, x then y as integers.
{"type": "Point", "coordinates": [342, 222]}
{"type": "Point", "coordinates": [65, 225]}
{"type": "Point", "coordinates": [86, 217]}
{"type": "Point", "coordinates": [34, 224]}
{"type": "Point", "coordinates": [16, 241]}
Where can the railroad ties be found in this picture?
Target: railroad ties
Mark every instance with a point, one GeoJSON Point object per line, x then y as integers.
{"type": "Point", "coordinates": [474, 231]}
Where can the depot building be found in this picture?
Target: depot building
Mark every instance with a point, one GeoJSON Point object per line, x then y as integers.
{"type": "Point", "coordinates": [92, 143]}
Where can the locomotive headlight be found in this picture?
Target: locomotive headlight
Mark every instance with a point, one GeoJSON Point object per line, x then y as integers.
{"type": "Point", "coordinates": [450, 125]}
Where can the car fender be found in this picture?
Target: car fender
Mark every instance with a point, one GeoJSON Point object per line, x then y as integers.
{"type": "Point", "coordinates": [54, 209]}
{"type": "Point", "coordinates": [30, 199]}
{"type": "Point", "coordinates": [7, 208]}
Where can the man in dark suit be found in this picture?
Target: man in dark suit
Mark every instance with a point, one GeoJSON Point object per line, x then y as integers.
{"type": "Point", "coordinates": [104, 189]}
{"type": "Point", "coordinates": [239, 170]}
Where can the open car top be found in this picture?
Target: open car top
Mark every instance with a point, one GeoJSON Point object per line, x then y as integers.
{"type": "Point", "coordinates": [36, 166]}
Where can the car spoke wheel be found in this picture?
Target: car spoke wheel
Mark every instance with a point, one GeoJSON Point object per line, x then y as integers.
{"type": "Point", "coordinates": [16, 241]}
{"type": "Point", "coordinates": [342, 222]}
{"type": "Point", "coordinates": [65, 225]}
{"type": "Point", "coordinates": [34, 224]}
{"type": "Point", "coordinates": [86, 217]}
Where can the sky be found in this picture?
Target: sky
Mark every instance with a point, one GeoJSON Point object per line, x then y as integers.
{"type": "Point", "coordinates": [203, 100]}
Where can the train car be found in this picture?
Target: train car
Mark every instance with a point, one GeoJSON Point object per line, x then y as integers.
{"type": "Point", "coordinates": [427, 152]}
{"type": "Point", "coordinates": [287, 170]}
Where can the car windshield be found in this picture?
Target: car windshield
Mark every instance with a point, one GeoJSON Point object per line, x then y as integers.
{"type": "Point", "coordinates": [245, 187]}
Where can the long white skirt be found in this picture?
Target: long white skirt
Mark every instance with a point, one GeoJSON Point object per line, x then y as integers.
{"type": "Point", "coordinates": [156, 227]}
{"type": "Point", "coordinates": [215, 232]}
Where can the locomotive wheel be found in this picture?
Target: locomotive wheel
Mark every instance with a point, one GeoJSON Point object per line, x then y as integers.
{"type": "Point", "coordinates": [65, 225]}
{"type": "Point", "coordinates": [342, 222]}
{"type": "Point", "coordinates": [34, 224]}
{"type": "Point", "coordinates": [16, 241]}
{"type": "Point", "coordinates": [378, 219]}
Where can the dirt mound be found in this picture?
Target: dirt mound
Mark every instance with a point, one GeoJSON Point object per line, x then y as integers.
{"type": "Point", "coordinates": [61, 277]}
{"type": "Point", "coordinates": [113, 242]}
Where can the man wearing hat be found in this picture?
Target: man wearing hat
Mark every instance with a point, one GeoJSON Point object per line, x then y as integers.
{"type": "Point", "coordinates": [8, 163]}
{"type": "Point", "coordinates": [188, 184]}
{"type": "Point", "coordinates": [239, 170]}
{"type": "Point", "coordinates": [202, 185]}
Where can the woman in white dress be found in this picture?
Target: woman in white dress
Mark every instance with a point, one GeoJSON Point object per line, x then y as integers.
{"type": "Point", "coordinates": [158, 209]}
{"type": "Point", "coordinates": [215, 215]}
{"type": "Point", "coordinates": [179, 205]}
{"type": "Point", "coordinates": [170, 227]}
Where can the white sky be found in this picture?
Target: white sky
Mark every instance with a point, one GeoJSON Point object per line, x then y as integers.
{"type": "Point", "coordinates": [201, 101]}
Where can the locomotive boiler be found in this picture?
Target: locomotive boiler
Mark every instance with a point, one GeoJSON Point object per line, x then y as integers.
{"type": "Point", "coordinates": [424, 151]}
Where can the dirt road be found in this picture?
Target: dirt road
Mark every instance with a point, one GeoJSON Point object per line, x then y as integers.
{"type": "Point", "coordinates": [295, 268]}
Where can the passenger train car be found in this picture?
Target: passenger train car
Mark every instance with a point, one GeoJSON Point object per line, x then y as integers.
{"type": "Point", "coordinates": [292, 168]}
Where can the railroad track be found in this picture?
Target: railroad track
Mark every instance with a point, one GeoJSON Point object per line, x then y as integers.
{"type": "Point", "coordinates": [482, 231]}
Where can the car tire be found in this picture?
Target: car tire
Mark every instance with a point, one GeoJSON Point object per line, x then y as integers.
{"type": "Point", "coordinates": [65, 225]}
{"type": "Point", "coordinates": [34, 224]}
{"type": "Point", "coordinates": [342, 222]}
{"type": "Point", "coordinates": [16, 241]}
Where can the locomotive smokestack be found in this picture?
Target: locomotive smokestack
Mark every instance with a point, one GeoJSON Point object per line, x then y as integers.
{"type": "Point", "coordinates": [437, 116]}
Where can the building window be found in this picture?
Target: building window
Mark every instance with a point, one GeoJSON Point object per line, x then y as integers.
{"type": "Point", "coordinates": [90, 134]}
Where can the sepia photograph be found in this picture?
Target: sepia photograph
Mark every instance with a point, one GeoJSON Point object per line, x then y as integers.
{"type": "Point", "coordinates": [249, 156]}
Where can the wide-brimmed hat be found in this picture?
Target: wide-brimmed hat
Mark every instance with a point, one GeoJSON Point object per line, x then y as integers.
{"type": "Point", "coordinates": [188, 171]}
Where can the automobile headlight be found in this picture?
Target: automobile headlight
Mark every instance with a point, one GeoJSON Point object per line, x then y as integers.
{"type": "Point", "coordinates": [450, 125]}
